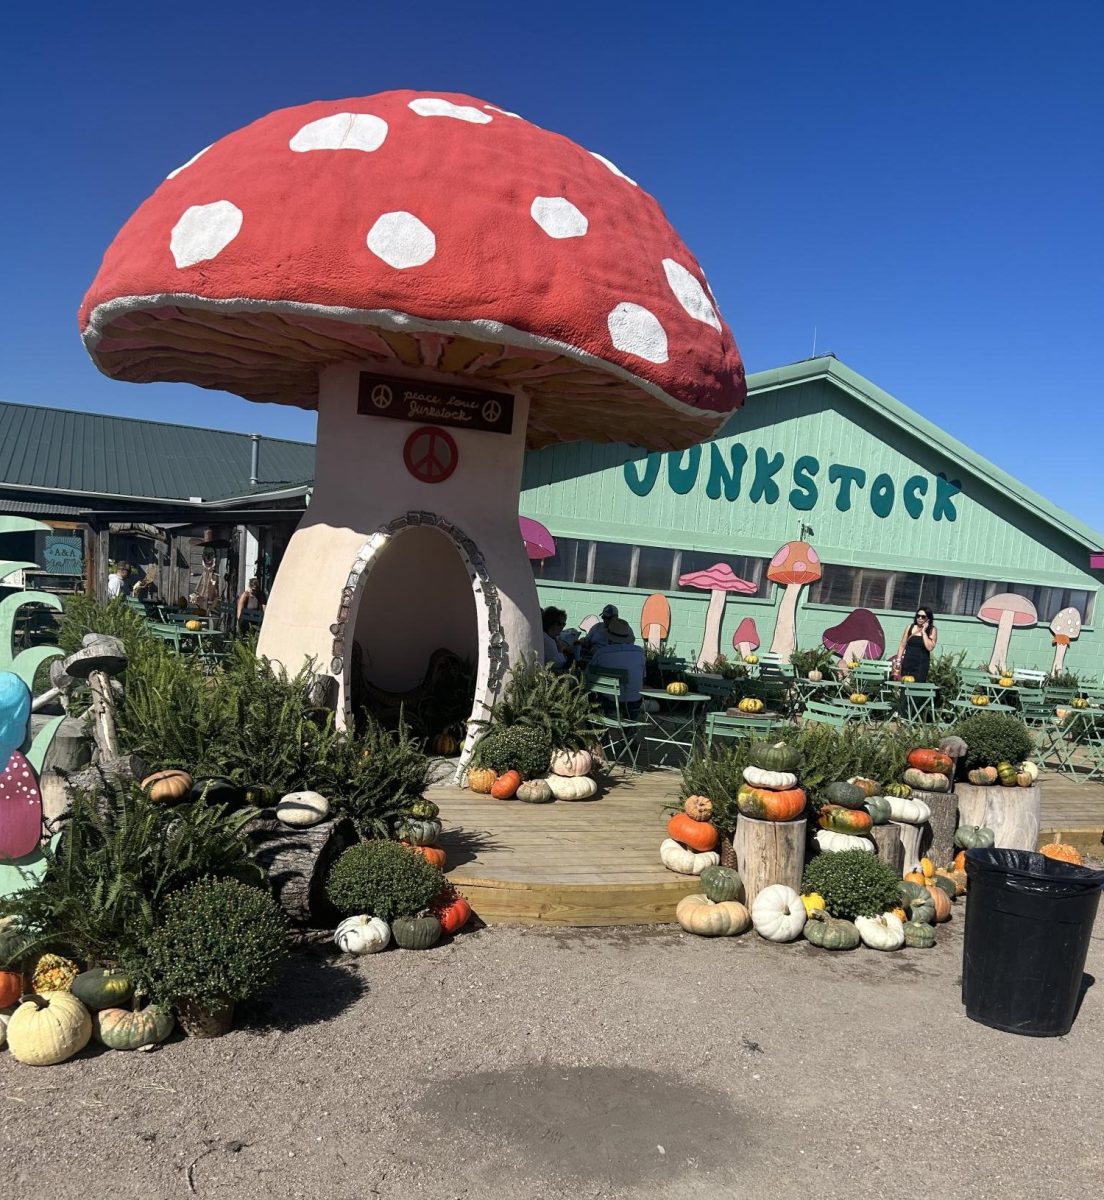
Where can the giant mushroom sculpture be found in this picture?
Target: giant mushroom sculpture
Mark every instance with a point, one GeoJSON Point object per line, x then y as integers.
{"type": "Point", "coordinates": [1065, 628]}
{"type": "Point", "coordinates": [718, 580]}
{"type": "Point", "coordinates": [448, 284]}
{"type": "Point", "coordinates": [1006, 611]}
{"type": "Point", "coordinates": [858, 635]}
{"type": "Point", "coordinates": [794, 565]}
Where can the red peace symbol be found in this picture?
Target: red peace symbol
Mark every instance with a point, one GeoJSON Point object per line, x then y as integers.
{"type": "Point", "coordinates": [430, 454]}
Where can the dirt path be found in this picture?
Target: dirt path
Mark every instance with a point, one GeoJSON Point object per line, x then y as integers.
{"type": "Point", "coordinates": [607, 1063]}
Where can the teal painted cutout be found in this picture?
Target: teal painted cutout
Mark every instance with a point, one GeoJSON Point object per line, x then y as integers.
{"type": "Point", "coordinates": [763, 485]}
{"type": "Point", "coordinates": [804, 494]}
{"type": "Point", "coordinates": [945, 492]}
{"type": "Point", "coordinates": [915, 487]}
{"type": "Point", "coordinates": [720, 476]}
{"type": "Point", "coordinates": [881, 496]}
{"type": "Point", "coordinates": [640, 484]}
{"type": "Point", "coordinates": [845, 476]}
{"type": "Point", "coordinates": [682, 478]}
{"type": "Point", "coordinates": [19, 874]}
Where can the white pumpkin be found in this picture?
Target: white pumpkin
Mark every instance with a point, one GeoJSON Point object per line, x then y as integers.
{"type": "Point", "coordinates": [1030, 768]}
{"type": "Point", "coordinates": [777, 781]}
{"type": "Point", "coordinates": [830, 841]}
{"type": "Point", "coordinates": [677, 858]}
{"type": "Point", "coordinates": [48, 1029]}
{"type": "Point", "coordinates": [886, 932]}
{"type": "Point", "coordinates": [778, 913]}
{"type": "Point", "coordinates": [572, 762]}
{"type": "Point", "coordinates": [572, 787]}
{"type": "Point", "coordinates": [5, 1017]}
{"type": "Point", "coordinates": [909, 810]}
{"type": "Point", "coordinates": [302, 809]}
{"type": "Point", "coordinates": [363, 935]}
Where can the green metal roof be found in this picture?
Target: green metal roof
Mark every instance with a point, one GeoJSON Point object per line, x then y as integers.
{"type": "Point", "coordinates": [916, 426]}
{"type": "Point", "coordinates": [87, 454]}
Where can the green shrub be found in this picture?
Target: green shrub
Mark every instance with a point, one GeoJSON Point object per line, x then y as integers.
{"type": "Point", "coordinates": [1064, 680]}
{"type": "Point", "coordinates": [514, 748]}
{"type": "Point", "coordinates": [383, 879]}
{"type": "Point", "coordinates": [993, 738]}
{"type": "Point", "coordinates": [854, 883]}
{"type": "Point", "coordinates": [218, 940]}
{"type": "Point", "coordinates": [81, 614]}
{"type": "Point", "coordinates": [558, 706]}
{"type": "Point", "coordinates": [945, 672]}
{"type": "Point", "coordinates": [817, 658]}
{"type": "Point", "coordinates": [717, 771]}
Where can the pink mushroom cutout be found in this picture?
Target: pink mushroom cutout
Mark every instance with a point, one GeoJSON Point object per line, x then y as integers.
{"type": "Point", "coordinates": [795, 565]}
{"type": "Point", "coordinates": [1007, 611]}
{"type": "Point", "coordinates": [859, 635]}
{"type": "Point", "coordinates": [718, 580]}
{"type": "Point", "coordinates": [745, 640]}
{"type": "Point", "coordinates": [448, 284]}
{"type": "Point", "coordinates": [655, 620]}
{"type": "Point", "coordinates": [539, 543]}
{"type": "Point", "coordinates": [1065, 628]}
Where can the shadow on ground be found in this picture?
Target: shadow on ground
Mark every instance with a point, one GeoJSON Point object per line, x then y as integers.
{"type": "Point", "coordinates": [312, 990]}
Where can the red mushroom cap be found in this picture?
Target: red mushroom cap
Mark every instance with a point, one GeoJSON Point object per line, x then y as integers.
{"type": "Point", "coordinates": [859, 626]}
{"type": "Point", "coordinates": [746, 632]}
{"type": "Point", "coordinates": [795, 562]}
{"type": "Point", "coordinates": [431, 230]}
{"type": "Point", "coordinates": [717, 578]}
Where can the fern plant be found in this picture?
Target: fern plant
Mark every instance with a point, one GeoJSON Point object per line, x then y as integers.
{"type": "Point", "coordinates": [557, 706]}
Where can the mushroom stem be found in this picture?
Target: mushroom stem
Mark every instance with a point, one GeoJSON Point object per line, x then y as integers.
{"type": "Point", "coordinates": [103, 716]}
{"type": "Point", "coordinates": [654, 636]}
{"type": "Point", "coordinates": [853, 652]}
{"type": "Point", "coordinates": [785, 627]}
{"type": "Point", "coordinates": [711, 638]}
{"type": "Point", "coordinates": [1060, 645]}
{"type": "Point", "coordinates": [1000, 645]}
{"type": "Point", "coordinates": [744, 648]}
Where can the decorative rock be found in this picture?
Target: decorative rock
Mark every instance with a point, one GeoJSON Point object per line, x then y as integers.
{"type": "Point", "coordinates": [302, 809]}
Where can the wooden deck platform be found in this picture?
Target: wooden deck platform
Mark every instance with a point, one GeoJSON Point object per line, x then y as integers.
{"type": "Point", "coordinates": [596, 862]}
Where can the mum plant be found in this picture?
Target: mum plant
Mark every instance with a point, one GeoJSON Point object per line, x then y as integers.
{"type": "Point", "coordinates": [383, 879]}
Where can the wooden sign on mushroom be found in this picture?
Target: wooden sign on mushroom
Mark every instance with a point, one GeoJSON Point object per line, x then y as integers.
{"type": "Point", "coordinates": [336, 256]}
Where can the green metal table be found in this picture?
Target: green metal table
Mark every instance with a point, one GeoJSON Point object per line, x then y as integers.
{"type": "Point", "coordinates": [684, 724]}
{"type": "Point", "coordinates": [914, 701]}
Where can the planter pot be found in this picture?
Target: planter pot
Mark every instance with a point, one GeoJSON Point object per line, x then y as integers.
{"type": "Point", "coordinates": [204, 1020]}
{"type": "Point", "coordinates": [1012, 813]}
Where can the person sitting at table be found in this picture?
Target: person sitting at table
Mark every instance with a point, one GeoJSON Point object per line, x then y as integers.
{"type": "Point", "coordinates": [621, 653]}
{"type": "Point", "coordinates": [554, 620]}
{"type": "Point", "coordinates": [251, 600]}
{"type": "Point", "coordinates": [118, 582]}
{"type": "Point", "coordinates": [598, 635]}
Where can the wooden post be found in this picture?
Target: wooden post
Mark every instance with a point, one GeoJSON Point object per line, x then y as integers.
{"type": "Point", "coordinates": [888, 840]}
{"type": "Point", "coordinates": [937, 836]}
{"type": "Point", "coordinates": [769, 852]}
{"type": "Point", "coordinates": [1012, 813]}
{"type": "Point", "coordinates": [910, 845]}
{"type": "Point", "coordinates": [103, 553]}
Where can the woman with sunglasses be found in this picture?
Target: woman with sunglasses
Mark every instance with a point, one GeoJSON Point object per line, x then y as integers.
{"type": "Point", "coordinates": [917, 644]}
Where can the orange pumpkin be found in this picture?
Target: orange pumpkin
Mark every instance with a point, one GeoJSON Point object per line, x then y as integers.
{"type": "Point", "coordinates": [960, 861]}
{"type": "Point", "coordinates": [11, 987]}
{"type": "Point", "coordinates": [506, 785]}
{"type": "Point", "coordinates": [933, 761]}
{"type": "Point", "coordinates": [699, 836]}
{"type": "Point", "coordinates": [916, 877]}
{"type": "Point", "coordinates": [452, 910]}
{"type": "Point", "coordinates": [763, 804]}
{"type": "Point", "coordinates": [481, 779]}
{"type": "Point", "coordinates": [899, 913]}
{"type": "Point", "coordinates": [1063, 852]}
{"type": "Point", "coordinates": [941, 901]}
{"type": "Point", "coordinates": [167, 786]}
{"type": "Point", "coordinates": [958, 878]}
{"type": "Point", "coordinates": [433, 855]}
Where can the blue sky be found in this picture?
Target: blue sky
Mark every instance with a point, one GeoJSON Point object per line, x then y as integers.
{"type": "Point", "coordinates": [921, 184]}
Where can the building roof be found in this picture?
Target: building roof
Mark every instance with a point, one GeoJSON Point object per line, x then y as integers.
{"type": "Point", "coordinates": [87, 454]}
{"type": "Point", "coordinates": [912, 423]}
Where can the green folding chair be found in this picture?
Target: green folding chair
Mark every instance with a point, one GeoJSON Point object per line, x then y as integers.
{"type": "Point", "coordinates": [820, 713]}
{"type": "Point", "coordinates": [622, 734]}
{"type": "Point", "coordinates": [719, 691]}
{"type": "Point", "coordinates": [720, 725]}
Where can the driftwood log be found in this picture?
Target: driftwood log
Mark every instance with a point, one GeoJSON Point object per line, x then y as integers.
{"type": "Point", "coordinates": [937, 836]}
{"type": "Point", "coordinates": [298, 862]}
{"type": "Point", "coordinates": [1012, 813]}
{"type": "Point", "coordinates": [769, 852]}
{"type": "Point", "coordinates": [910, 844]}
{"type": "Point", "coordinates": [888, 840]}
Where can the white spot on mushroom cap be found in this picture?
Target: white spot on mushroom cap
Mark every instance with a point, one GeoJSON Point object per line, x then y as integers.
{"type": "Point", "coordinates": [341, 131]}
{"type": "Point", "coordinates": [504, 111]}
{"type": "Point", "coordinates": [431, 106]}
{"type": "Point", "coordinates": [558, 217]}
{"type": "Point", "coordinates": [203, 231]}
{"type": "Point", "coordinates": [690, 293]}
{"type": "Point", "coordinates": [401, 240]}
{"type": "Point", "coordinates": [184, 166]}
{"type": "Point", "coordinates": [635, 330]}
{"type": "Point", "coordinates": [612, 166]}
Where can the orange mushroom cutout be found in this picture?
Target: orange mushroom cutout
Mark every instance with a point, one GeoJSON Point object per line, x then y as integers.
{"type": "Point", "coordinates": [718, 580]}
{"type": "Point", "coordinates": [1065, 627]}
{"type": "Point", "coordinates": [655, 620]}
{"type": "Point", "coordinates": [795, 565]}
{"type": "Point", "coordinates": [1006, 611]}
{"type": "Point", "coordinates": [745, 640]}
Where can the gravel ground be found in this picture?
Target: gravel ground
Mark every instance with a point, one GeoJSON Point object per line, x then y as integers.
{"type": "Point", "coordinates": [605, 1063]}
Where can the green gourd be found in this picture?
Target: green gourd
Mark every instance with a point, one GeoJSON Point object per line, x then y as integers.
{"type": "Point", "coordinates": [722, 883]}
{"type": "Point", "coordinates": [922, 909]}
{"type": "Point", "coordinates": [534, 791]}
{"type": "Point", "coordinates": [121, 1029]}
{"type": "Point", "coordinates": [926, 781]}
{"type": "Point", "coordinates": [774, 756]}
{"type": "Point", "coordinates": [102, 987]}
{"type": "Point", "coordinates": [217, 790]}
{"type": "Point", "coordinates": [879, 809]}
{"type": "Point", "coordinates": [901, 790]}
{"type": "Point", "coordinates": [416, 933]}
{"type": "Point", "coordinates": [846, 795]}
{"type": "Point", "coordinates": [844, 820]}
{"type": "Point", "coordinates": [425, 809]}
{"type": "Point", "coordinates": [947, 885]}
{"type": "Point", "coordinates": [973, 837]}
{"type": "Point", "coordinates": [919, 935]}
{"type": "Point", "coordinates": [260, 795]}
{"type": "Point", "coordinates": [830, 933]}
{"type": "Point", "coordinates": [983, 776]}
{"type": "Point", "coordinates": [907, 892]}
{"type": "Point", "coordinates": [420, 833]}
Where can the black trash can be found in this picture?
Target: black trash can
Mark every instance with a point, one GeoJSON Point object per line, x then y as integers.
{"type": "Point", "coordinates": [1028, 923]}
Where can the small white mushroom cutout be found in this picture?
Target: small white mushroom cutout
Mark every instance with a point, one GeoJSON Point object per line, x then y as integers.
{"type": "Point", "coordinates": [302, 809]}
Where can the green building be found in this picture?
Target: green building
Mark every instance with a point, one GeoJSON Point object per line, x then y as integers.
{"type": "Point", "coordinates": [897, 512]}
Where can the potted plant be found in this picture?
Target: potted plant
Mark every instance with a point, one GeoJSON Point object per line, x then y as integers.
{"type": "Point", "coordinates": [812, 664]}
{"type": "Point", "coordinates": [218, 942]}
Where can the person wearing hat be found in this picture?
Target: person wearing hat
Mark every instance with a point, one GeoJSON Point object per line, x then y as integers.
{"type": "Point", "coordinates": [621, 653]}
{"type": "Point", "coordinates": [599, 634]}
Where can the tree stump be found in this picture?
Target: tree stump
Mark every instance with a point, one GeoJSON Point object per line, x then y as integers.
{"type": "Point", "coordinates": [769, 852]}
{"type": "Point", "coordinates": [1012, 813]}
{"type": "Point", "coordinates": [937, 836]}
{"type": "Point", "coordinates": [910, 845]}
{"type": "Point", "coordinates": [298, 862]}
{"type": "Point", "coordinates": [888, 840]}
